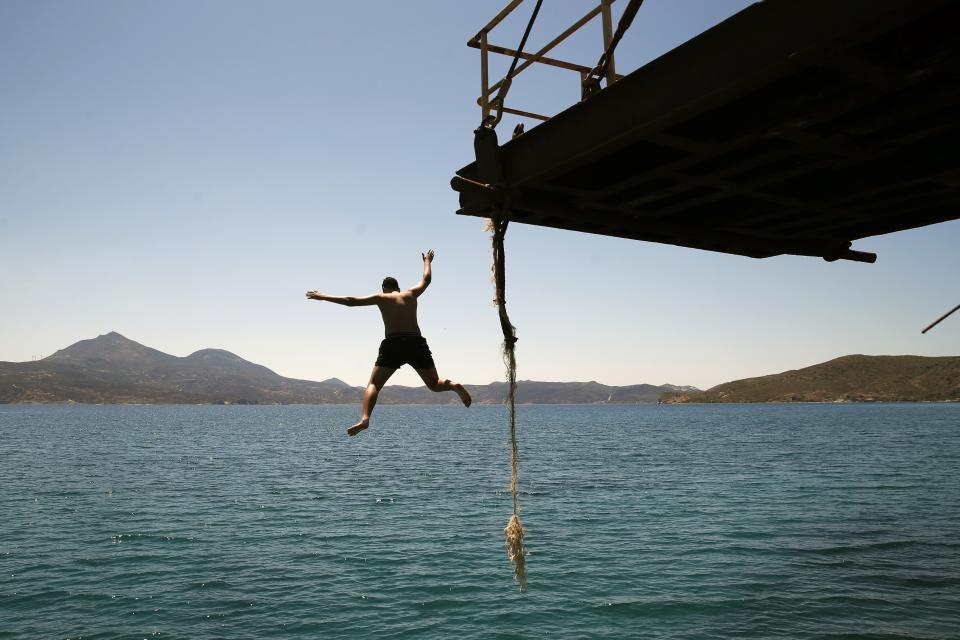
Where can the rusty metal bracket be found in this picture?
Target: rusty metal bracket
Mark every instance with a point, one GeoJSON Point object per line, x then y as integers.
{"type": "Point", "coordinates": [481, 41]}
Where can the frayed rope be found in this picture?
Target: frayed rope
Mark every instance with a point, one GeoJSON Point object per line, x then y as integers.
{"type": "Point", "coordinates": [514, 531]}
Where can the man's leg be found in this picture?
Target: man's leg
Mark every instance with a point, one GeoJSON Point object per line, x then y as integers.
{"type": "Point", "coordinates": [378, 378]}
{"type": "Point", "coordinates": [435, 383]}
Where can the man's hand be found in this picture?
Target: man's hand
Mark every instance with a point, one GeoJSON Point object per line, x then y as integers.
{"type": "Point", "coordinates": [428, 256]}
{"type": "Point", "coordinates": [314, 295]}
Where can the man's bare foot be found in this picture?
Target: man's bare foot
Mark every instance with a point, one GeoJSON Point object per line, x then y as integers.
{"type": "Point", "coordinates": [357, 428]}
{"type": "Point", "coordinates": [464, 395]}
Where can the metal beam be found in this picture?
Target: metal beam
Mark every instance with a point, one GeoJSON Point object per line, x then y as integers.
{"type": "Point", "coordinates": [687, 82]}
{"type": "Point", "coordinates": [640, 229]}
{"type": "Point", "coordinates": [497, 19]}
{"type": "Point", "coordinates": [550, 45]}
{"type": "Point", "coordinates": [607, 39]}
{"type": "Point", "coordinates": [553, 62]}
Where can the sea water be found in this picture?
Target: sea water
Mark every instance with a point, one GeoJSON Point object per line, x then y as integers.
{"type": "Point", "coordinates": [672, 521]}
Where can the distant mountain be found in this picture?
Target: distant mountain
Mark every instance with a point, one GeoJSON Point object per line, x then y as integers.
{"type": "Point", "coordinates": [335, 381]}
{"type": "Point", "coordinates": [113, 369]}
{"type": "Point", "coordinates": [533, 392]}
{"type": "Point", "coordinates": [854, 378]}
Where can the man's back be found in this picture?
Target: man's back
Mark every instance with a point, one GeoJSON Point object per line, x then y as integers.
{"type": "Point", "coordinates": [399, 312]}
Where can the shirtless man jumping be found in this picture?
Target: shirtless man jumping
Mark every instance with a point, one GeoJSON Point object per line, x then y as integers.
{"type": "Point", "coordinates": [403, 344]}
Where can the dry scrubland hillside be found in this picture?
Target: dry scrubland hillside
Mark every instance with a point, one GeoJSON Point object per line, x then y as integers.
{"type": "Point", "coordinates": [853, 378]}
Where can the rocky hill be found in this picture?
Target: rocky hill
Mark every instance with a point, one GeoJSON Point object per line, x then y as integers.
{"type": "Point", "coordinates": [854, 378]}
{"type": "Point", "coordinates": [115, 369]}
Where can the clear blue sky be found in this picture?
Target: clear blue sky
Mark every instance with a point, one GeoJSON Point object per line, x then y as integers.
{"type": "Point", "coordinates": [183, 171]}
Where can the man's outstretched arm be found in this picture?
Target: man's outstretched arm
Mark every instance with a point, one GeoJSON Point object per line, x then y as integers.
{"type": "Point", "coordinates": [347, 301]}
{"type": "Point", "coordinates": [427, 274]}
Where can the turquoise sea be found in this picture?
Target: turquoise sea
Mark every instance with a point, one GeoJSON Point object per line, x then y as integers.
{"type": "Point", "coordinates": [726, 521]}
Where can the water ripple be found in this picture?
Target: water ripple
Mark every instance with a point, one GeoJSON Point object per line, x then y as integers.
{"type": "Point", "coordinates": [658, 522]}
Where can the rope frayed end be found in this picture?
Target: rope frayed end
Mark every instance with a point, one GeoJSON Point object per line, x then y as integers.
{"type": "Point", "coordinates": [513, 534]}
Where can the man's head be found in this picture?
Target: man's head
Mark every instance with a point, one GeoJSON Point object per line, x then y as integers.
{"type": "Point", "coordinates": [390, 284]}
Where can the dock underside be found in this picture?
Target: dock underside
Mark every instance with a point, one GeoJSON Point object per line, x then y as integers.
{"type": "Point", "coordinates": [793, 127]}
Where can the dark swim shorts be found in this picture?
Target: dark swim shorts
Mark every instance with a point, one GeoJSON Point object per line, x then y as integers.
{"type": "Point", "coordinates": [398, 350]}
